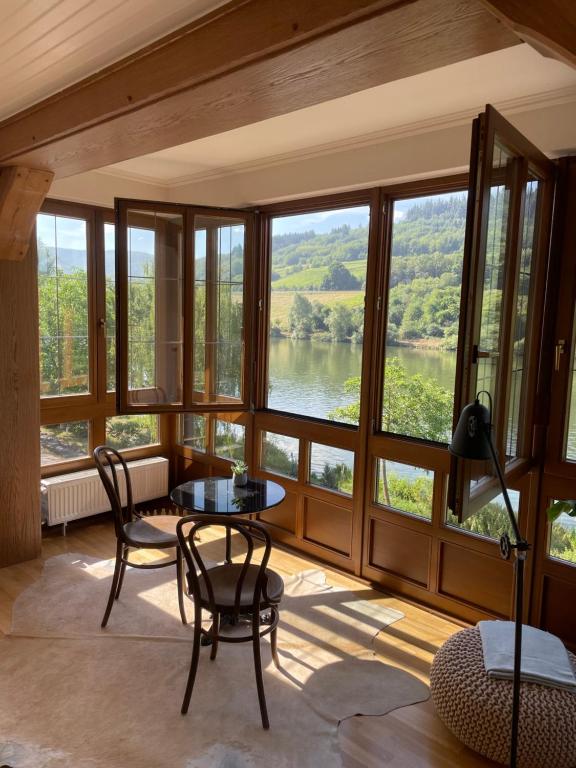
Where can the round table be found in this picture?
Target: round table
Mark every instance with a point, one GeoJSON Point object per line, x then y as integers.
{"type": "Point", "coordinates": [219, 496]}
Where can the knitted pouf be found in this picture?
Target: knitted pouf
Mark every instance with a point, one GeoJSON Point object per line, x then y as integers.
{"type": "Point", "coordinates": [478, 709]}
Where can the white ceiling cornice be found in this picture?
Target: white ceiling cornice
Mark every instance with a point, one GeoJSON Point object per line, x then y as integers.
{"type": "Point", "coordinates": [454, 119]}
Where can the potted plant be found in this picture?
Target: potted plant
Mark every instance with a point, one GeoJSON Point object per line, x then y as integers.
{"type": "Point", "coordinates": [240, 473]}
{"type": "Point", "coordinates": [559, 507]}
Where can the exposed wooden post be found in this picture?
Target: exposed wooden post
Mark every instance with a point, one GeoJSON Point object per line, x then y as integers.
{"type": "Point", "coordinates": [549, 27]}
{"type": "Point", "coordinates": [22, 191]}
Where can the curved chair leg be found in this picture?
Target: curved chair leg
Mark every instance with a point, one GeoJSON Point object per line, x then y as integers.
{"type": "Point", "coordinates": [274, 646]}
{"type": "Point", "coordinates": [194, 660]}
{"type": "Point", "coordinates": [122, 572]}
{"type": "Point", "coordinates": [214, 630]}
{"type": "Point", "coordinates": [180, 584]}
{"type": "Point", "coordinates": [258, 669]}
{"type": "Point", "coordinates": [115, 582]}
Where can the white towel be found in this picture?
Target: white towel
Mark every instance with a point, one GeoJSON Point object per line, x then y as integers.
{"type": "Point", "coordinates": [544, 657]}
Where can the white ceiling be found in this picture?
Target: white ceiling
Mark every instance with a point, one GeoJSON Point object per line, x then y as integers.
{"type": "Point", "coordinates": [47, 45]}
{"type": "Point", "coordinates": [513, 79]}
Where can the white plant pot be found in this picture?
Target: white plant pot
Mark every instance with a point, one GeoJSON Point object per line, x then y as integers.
{"type": "Point", "coordinates": [240, 479]}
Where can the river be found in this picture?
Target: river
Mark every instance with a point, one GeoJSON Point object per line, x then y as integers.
{"type": "Point", "coordinates": [308, 378]}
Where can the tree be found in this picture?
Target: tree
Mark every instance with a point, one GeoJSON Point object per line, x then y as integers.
{"type": "Point", "coordinates": [340, 279]}
{"type": "Point", "coordinates": [300, 320]}
{"type": "Point", "coordinates": [340, 323]}
{"type": "Point", "coordinates": [411, 405]}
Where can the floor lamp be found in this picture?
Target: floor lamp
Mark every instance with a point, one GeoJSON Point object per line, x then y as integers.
{"type": "Point", "coordinates": [472, 439]}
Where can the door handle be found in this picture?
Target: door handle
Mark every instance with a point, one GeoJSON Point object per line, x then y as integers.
{"type": "Point", "coordinates": [559, 349]}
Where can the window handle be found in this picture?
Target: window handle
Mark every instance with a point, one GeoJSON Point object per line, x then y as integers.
{"type": "Point", "coordinates": [559, 349]}
{"type": "Point", "coordinates": [478, 353]}
{"type": "Point", "coordinates": [101, 323]}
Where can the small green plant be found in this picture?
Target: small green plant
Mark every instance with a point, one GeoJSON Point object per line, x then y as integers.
{"type": "Point", "coordinates": [239, 468]}
{"type": "Point", "coordinates": [567, 506]}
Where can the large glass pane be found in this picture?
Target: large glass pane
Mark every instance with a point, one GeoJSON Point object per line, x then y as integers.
{"type": "Point", "coordinates": [491, 520]}
{"type": "Point", "coordinates": [63, 305]}
{"type": "Point", "coordinates": [125, 432]}
{"type": "Point", "coordinates": [218, 307]}
{"type": "Point", "coordinates": [317, 312]}
{"type": "Point", "coordinates": [520, 319]}
{"type": "Point", "coordinates": [110, 289]}
{"type": "Point", "coordinates": [64, 442]}
{"type": "Point", "coordinates": [280, 454]}
{"type": "Point", "coordinates": [571, 407]}
{"type": "Point", "coordinates": [155, 312]}
{"type": "Point", "coordinates": [193, 431]}
{"type": "Point", "coordinates": [562, 539]}
{"type": "Point", "coordinates": [331, 468]}
{"type": "Point", "coordinates": [404, 487]}
{"type": "Point", "coordinates": [229, 440]}
{"type": "Point", "coordinates": [423, 315]}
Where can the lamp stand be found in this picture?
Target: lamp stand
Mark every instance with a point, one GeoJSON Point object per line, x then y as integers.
{"type": "Point", "coordinates": [521, 546]}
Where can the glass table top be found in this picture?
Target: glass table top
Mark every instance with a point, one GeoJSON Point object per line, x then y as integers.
{"type": "Point", "coordinates": [219, 496]}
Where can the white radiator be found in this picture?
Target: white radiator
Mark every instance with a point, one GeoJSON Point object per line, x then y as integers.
{"type": "Point", "coordinates": [80, 494]}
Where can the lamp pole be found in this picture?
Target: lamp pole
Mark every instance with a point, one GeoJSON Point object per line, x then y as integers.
{"type": "Point", "coordinates": [472, 439]}
{"type": "Point", "coordinates": [521, 546]}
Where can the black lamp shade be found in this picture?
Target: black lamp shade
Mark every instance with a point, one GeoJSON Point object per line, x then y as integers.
{"type": "Point", "coordinates": [471, 438]}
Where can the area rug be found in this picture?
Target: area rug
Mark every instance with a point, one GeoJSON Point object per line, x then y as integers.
{"type": "Point", "coordinates": [76, 697]}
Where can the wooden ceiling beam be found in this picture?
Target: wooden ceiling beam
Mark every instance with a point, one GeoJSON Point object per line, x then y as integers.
{"type": "Point", "coordinates": [247, 61]}
{"type": "Point", "coordinates": [549, 26]}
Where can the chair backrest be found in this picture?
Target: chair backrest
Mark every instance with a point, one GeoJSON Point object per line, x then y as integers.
{"type": "Point", "coordinates": [251, 531]}
{"type": "Point", "coordinates": [106, 459]}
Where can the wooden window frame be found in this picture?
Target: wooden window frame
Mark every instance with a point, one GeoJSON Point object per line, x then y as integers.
{"type": "Point", "coordinates": [98, 405]}
{"type": "Point", "coordinates": [192, 402]}
{"type": "Point", "coordinates": [490, 127]}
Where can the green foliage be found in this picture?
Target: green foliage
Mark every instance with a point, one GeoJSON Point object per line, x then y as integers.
{"type": "Point", "coordinates": [278, 459]}
{"type": "Point", "coordinates": [338, 278]}
{"type": "Point", "coordinates": [412, 405]}
{"type": "Point", "coordinates": [336, 477]}
{"type": "Point", "coordinates": [123, 432]}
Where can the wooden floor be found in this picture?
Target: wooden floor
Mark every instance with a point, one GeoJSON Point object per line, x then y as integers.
{"type": "Point", "coordinates": [411, 737]}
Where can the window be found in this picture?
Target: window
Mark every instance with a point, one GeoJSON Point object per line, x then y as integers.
{"type": "Point", "coordinates": [331, 468]}
{"type": "Point", "coordinates": [280, 454]}
{"type": "Point", "coordinates": [182, 289]}
{"type": "Point", "coordinates": [64, 442]}
{"type": "Point", "coordinates": [570, 437]}
{"type": "Point", "coordinates": [229, 440]}
{"type": "Point", "coordinates": [491, 520]}
{"type": "Point", "coordinates": [562, 538]}
{"type": "Point", "coordinates": [506, 243]}
{"type": "Point", "coordinates": [425, 282]}
{"type": "Point", "coordinates": [404, 487]}
{"type": "Point", "coordinates": [193, 431]}
{"type": "Point", "coordinates": [62, 243]}
{"type": "Point", "coordinates": [125, 432]}
{"type": "Point", "coordinates": [317, 288]}
{"type": "Point", "coordinates": [77, 293]}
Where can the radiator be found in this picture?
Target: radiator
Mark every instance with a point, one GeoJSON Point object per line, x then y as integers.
{"type": "Point", "coordinates": [80, 494]}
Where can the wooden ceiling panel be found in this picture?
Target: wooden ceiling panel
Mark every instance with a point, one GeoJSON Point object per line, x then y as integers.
{"type": "Point", "coordinates": [249, 61]}
{"type": "Point", "coordinates": [47, 45]}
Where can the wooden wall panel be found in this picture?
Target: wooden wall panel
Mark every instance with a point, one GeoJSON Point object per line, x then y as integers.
{"type": "Point", "coordinates": [475, 578]}
{"type": "Point", "coordinates": [399, 551]}
{"type": "Point", "coordinates": [19, 411]}
{"type": "Point", "coordinates": [284, 515]}
{"type": "Point", "coordinates": [328, 525]}
{"type": "Point", "coordinates": [558, 605]}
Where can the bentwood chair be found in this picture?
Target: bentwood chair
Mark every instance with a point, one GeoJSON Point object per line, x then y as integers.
{"type": "Point", "coordinates": [133, 532]}
{"type": "Point", "coordinates": [229, 591]}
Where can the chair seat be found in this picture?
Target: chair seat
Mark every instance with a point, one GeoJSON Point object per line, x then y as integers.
{"type": "Point", "coordinates": [157, 531]}
{"type": "Point", "coordinates": [224, 579]}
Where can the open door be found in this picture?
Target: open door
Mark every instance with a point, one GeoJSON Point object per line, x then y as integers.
{"type": "Point", "coordinates": [184, 282]}
{"type": "Point", "coordinates": [506, 248]}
